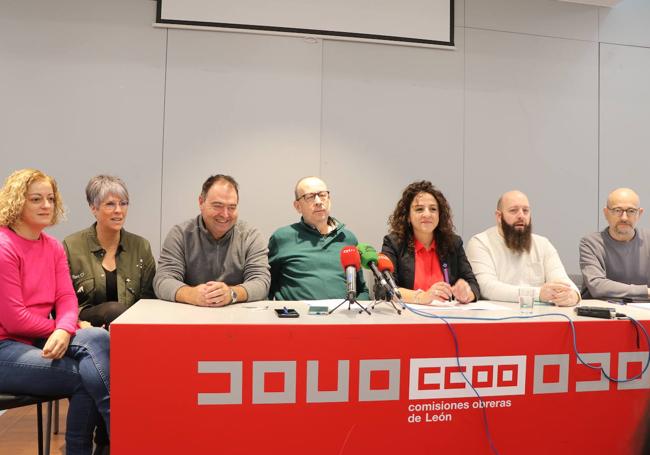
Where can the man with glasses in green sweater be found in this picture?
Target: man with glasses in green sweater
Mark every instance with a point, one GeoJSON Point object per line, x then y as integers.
{"type": "Point", "coordinates": [305, 256]}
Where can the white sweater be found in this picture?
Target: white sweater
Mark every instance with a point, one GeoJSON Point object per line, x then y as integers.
{"type": "Point", "coordinates": [501, 272]}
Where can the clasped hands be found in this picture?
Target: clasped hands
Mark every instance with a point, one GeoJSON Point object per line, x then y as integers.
{"type": "Point", "coordinates": [560, 294]}
{"type": "Point", "coordinates": [211, 294]}
{"type": "Point", "coordinates": [443, 292]}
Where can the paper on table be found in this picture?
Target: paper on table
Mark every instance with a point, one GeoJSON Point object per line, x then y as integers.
{"type": "Point", "coordinates": [645, 306]}
{"type": "Point", "coordinates": [453, 305]}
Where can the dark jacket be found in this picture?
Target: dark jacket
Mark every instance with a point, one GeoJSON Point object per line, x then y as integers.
{"type": "Point", "coordinates": [403, 258]}
{"type": "Point", "coordinates": [135, 267]}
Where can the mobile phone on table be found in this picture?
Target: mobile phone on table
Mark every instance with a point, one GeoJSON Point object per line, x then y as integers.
{"type": "Point", "coordinates": [286, 313]}
{"type": "Point", "coordinates": [318, 309]}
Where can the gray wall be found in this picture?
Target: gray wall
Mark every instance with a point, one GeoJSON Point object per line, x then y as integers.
{"type": "Point", "coordinates": [545, 96]}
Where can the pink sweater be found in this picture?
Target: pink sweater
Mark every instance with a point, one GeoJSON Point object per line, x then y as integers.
{"type": "Point", "coordinates": [34, 279]}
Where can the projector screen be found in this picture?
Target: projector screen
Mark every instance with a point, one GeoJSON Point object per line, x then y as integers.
{"type": "Point", "coordinates": [405, 22]}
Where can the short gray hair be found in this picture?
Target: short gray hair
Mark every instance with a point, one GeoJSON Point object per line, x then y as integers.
{"type": "Point", "coordinates": [101, 186]}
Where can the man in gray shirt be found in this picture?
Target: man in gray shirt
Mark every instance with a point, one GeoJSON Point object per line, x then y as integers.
{"type": "Point", "coordinates": [615, 262]}
{"type": "Point", "coordinates": [214, 259]}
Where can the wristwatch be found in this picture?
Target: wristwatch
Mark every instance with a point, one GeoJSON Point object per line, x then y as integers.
{"type": "Point", "coordinates": [233, 296]}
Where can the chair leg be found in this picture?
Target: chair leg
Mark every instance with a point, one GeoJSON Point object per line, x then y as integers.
{"type": "Point", "coordinates": [39, 424]}
{"type": "Point", "coordinates": [56, 417]}
{"type": "Point", "coordinates": [48, 428]}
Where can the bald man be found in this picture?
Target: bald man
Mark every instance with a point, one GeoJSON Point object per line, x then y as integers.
{"type": "Point", "coordinates": [509, 256]}
{"type": "Point", "coordinates": [305, 256]}
{"type": "Point", "coordinates": [615, 262]}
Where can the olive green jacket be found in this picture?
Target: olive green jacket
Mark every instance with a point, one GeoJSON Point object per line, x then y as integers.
{"type": "Point", "coordinates": [136, 267]}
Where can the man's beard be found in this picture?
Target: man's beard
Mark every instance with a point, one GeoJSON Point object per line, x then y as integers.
{"type": "Point", "coordinates": [619, 231]}
{"type": "Point", "coordinates": [516, 240]}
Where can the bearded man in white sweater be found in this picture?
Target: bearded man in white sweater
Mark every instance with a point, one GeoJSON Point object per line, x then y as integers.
{"type": "Point", "coordinates": [509, 256]}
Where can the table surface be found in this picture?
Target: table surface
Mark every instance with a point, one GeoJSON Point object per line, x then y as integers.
{"type": "Point", "coordinates": [152, 311]}
{"type": "Point", "coordinates": [526, 372]}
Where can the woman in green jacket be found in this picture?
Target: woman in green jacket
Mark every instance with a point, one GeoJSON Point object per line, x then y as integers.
{"type": "Point", "coordinates": [111, 268]}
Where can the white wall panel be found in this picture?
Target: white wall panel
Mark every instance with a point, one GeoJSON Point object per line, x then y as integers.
{"type": "Point", "coordinates": [624, 121]}
{"type": "Point", "coordinates": [391, 115]}
{"type": "Point", "coordinates": [81, 84]}
{"type": "Point", "coordinates": [536, 17]}
{"type": "Point", "coordinates": [531, 124]}
{"type": "Point", "coordinates": [244, 105]}
{"type": "Point", "coordinates": [627, 23]}
{"type": "Point", "coordinates": [459, 14]}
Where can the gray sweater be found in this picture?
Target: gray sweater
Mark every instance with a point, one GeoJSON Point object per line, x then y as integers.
{"type": "Point", "coordinates": [614, 269]}
{"type": "Point", "coordinates": [191, 256]}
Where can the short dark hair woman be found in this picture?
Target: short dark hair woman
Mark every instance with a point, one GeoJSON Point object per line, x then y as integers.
{"type": "Point", "coordinates": [111, 268]}
{"type": "Point", "coordinates": [429, 259]}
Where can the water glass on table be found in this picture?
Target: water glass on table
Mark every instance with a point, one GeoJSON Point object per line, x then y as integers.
{"type": "Point", "coordinates": [526, 300]}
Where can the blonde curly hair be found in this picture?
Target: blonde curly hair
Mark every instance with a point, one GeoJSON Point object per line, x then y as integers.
{"type": "Point", "coordinates": [12, 195]}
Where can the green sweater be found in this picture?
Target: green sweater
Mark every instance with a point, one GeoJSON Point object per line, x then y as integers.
{"type": "Point", "coordinates": [136, 267]}
{"type": "Point", "coordinates": [306, 265]}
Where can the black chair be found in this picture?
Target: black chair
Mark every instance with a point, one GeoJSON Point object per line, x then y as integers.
{"type": "Point", "coordinates": [9, 401]}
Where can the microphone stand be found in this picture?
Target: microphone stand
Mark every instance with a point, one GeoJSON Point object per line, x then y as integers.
{"type": "Point", "coordinates": [351, 298]}
{"type": "Point", "coordinates": [389, 299]}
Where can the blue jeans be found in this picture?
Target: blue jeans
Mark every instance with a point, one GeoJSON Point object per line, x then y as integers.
{"type": "Point", "coordinates": [83, 373]}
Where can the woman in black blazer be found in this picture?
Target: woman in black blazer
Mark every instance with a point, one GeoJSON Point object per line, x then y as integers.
{"type": "Point", "coordinates": [429, 259]}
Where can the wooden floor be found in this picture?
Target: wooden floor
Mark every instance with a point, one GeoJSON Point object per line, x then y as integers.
{"type": "Point", "coordinates": [18, 435]}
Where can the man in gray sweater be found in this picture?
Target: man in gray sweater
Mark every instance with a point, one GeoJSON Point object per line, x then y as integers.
{"type": "Point", "coordinates": [615, 262]}
{"type": "Point", "coordinates": [214, 259]}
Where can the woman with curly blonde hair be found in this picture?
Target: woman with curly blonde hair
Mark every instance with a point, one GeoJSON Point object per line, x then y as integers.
{"type": "Point", "coordinates": [429, 259]}
{"type": "Point", "coordinates": [13, 194]}
{"type": "Point", "coordinates": [41, 355]}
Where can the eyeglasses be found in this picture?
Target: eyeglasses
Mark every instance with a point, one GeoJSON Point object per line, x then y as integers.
{"type": "Point", "coordinates": [112, 205]}
{"type": "Point", "coordinates": [311, 197]}
{"type": "Point", "coordinates": [619, 211]}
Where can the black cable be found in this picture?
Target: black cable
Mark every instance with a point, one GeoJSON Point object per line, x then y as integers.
{"type": "Point", "coordinates": [636, 328]}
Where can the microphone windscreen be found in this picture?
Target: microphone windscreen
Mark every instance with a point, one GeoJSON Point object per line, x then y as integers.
{"type": "Point", "coordinates": [368, 254]}
{"type": "Point", "coordinates": [350, 257]}
{"type": "Point", "coordinates": [384, 263]}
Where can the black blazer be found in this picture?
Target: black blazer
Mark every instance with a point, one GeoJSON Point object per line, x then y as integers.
{"type": "Point", "coordinates": [403, 259]}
